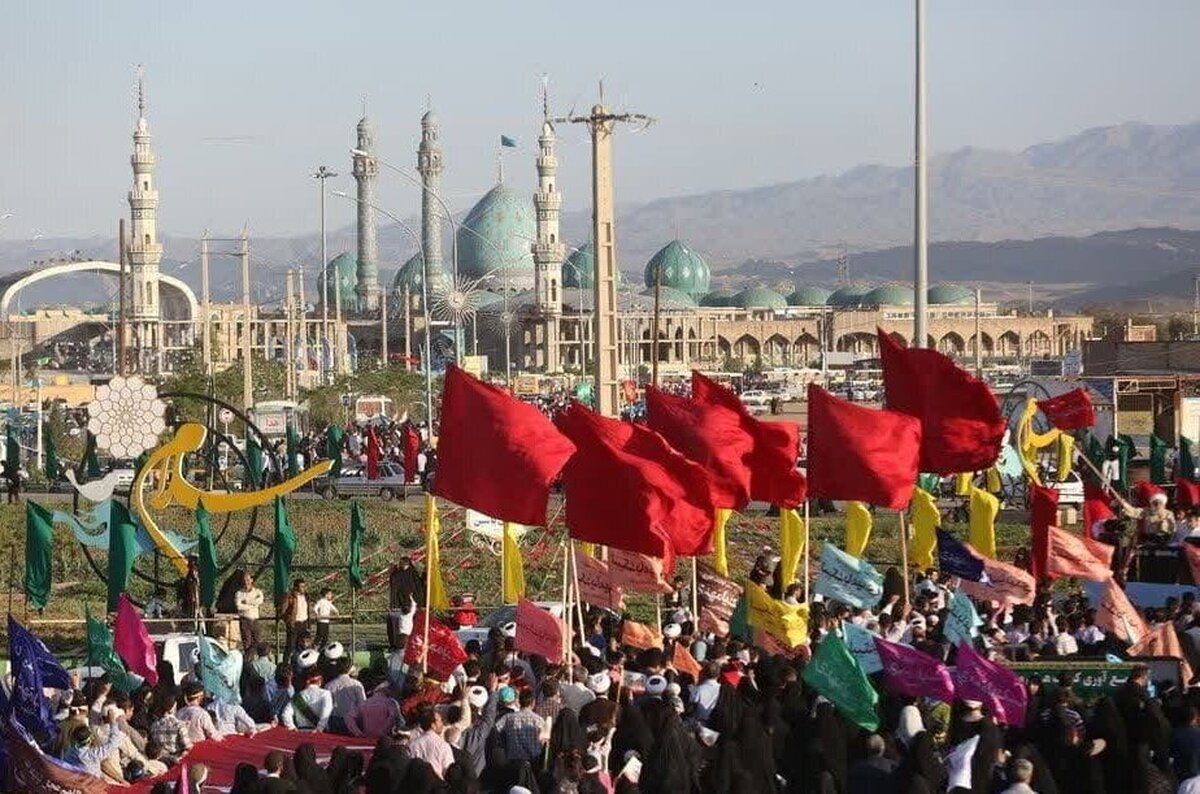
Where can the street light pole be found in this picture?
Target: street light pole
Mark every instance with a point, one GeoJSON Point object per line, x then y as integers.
{"type": "Point", "coordinates": [921, 221]}
{"type": "Point", "coordinates": [321, 174]}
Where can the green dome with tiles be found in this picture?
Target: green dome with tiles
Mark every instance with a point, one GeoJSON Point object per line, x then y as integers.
{"type": "Point", "coordinates": [682, 269]}
{"type": "Point", "coordinates": [494, 240]}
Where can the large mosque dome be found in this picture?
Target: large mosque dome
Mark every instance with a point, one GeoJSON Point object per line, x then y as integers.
{"type": "Point", "coordinates": [753, 298]}
{"type": "Point", "coordinates": [850, 296]}
{"type": "Point", "coordinates": [809, 295]}
{"type": "Point", "coordinates": [494, 240]}
{"type": "Point", "coordinates": [579, 269]}
{"type": "Point", "coordinates": [890, 295]}
{"type": "Point", "coordinates": [682, 269]}
{"type": "Point", "coordinates": [342, 271]}
{"type": "Point", "coordinates": [943, 294]}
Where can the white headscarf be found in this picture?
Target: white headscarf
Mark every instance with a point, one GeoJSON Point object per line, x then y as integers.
{"type": "Point", "coordinates": [910, 725]}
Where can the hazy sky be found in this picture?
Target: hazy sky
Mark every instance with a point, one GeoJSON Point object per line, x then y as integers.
{"type": "Point", "coordinates": [246, 98]}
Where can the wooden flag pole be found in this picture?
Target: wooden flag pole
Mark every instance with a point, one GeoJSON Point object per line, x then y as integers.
{"type": "Point", "coordinates": [695, 591]}
{"type": "Point", "coordinates": [904, 554]}
{"type": "Point", "coordinates": [658, 610]}
{"type": "Point", "coordinates": [566, 589]}
{"type": "Point", "coordinates": [806, 539]}
{"type": "Point", "coordinates": [575, 586]}
{"type": "Point", "coordinates": [430, 520]}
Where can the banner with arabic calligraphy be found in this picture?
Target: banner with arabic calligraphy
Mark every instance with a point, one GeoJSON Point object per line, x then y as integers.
{"type": "Point", "coordinates": [788, 623]}
{"type": "Point", "coordinates": [596, 585]}
{"type": "Point", "coordinates": [962, 621]}
{"type": "Point", "coordinates": [1004, 583]}
{"type": "Point", "coordinates": [862, 644]}
{"type": "Point", "coordinates": [717, 597]}
{"type": "Point", "coordinates": [637, 573]}
{"type": "Point", "coordinates": [847, 579]}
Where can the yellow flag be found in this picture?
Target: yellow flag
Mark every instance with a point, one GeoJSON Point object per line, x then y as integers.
{"type": "Point", "coordinates": [994, 484]}
{"type": "Point", "coordinates": [588, 549]}
{"type": "Point", "coordinates": [514, 567]}
{"type": "Point", "coordinates": [925, 520]}
{"type": "Point", "coordinates": [791, 543]}
{"type": "Point", "coordinates": [720, 552]}
{"type": "Point", "coordinates": [1066, 456]}
{"type": "Point", "coordinates": [984, 508]}
{"type": "Point", "coordinates": [786, 622]}
{"type": "Point", "coordinates": [858, 528]}
{"type": "Point", "coordinates": [962, 483]}
{"type": "Point", "coordinates": [1029, 440]}
{"type": "Point", "coordinates": [433, 557]}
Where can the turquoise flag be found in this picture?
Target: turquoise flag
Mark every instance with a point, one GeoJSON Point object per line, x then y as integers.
{"type": "Point", "coordinates": [836, 674]}
{"type": "Point", "coordinates": [100, 653]}
{"type": "Point", "coordinates": [848, 579]}
{"type": "Point", "coordinates": [507, 142]}
{"type": "Point", "coordinates": [284, 548]}
{"type": "Point", "coordinates": [207, 548]}
{"type": "Point", "coordinates": [862, 644]}
{"type": "Point", "coordinates": [254, 461]}
{"type": "Point", "coordinates": [962, 621]}
{"type": "Point", "coordinates": [220, 671]}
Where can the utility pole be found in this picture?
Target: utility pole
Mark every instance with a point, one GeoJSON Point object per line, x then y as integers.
{"type": "Point", "coordinates": [1196, 306]}
{"type": "Point", "coordinates": [302, 331]}
{"type": "Point", "coordinates": [1030, 286]}
{"type": "Point", "coordinates": [978, 336]}
{"type": "Point", "coordinates": [247, 328]}
{"type": "Point", "coordinates": [122, 270]}
{"type": "Point", "coordinates": [383, 322]}
{"type": "Point", "coordinates": [407, 329]}
{"type": "Point", "coordinates": [601, 123]}
{"type": "Point", "coordinates": [321, 174]}
{"type": "Point", "coordinates": [921, 203]}
{"type": "Point", "coordinates": [289, 304]}
{"type": "Point", "coordinates": [206, 304]}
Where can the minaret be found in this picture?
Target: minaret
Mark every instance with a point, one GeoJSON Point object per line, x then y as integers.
{"type": "Point", "coordinates": [548, 250]}
{"type": "Point", "coordinates": [366, 168]}
{"type": "Point", "coordinates": [429, 166]}
{"type": "Point", "coordinates": [144, 249]}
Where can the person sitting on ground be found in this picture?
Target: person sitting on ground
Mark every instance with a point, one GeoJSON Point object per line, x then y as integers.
{"type": "Point", "coordinates": [85, 753]}
{"type": "Point", "coordinates": [347, 692]}
{"type": "Point", "coordinates": [310, 708]}
{"type": "Point", "coordinates": [168, 732]}
{"type": "Point", "coordinates": [198, 722]}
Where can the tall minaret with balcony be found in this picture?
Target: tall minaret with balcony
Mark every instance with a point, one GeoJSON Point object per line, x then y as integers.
{"type": "Point", "coordinates": [548, 250]}
{"type": "Point", "coordinates": [429, 166]}
{"type": "Point", "coordinates": [144, 249]}
{"type": "Point", "coordinates": [366, 168]}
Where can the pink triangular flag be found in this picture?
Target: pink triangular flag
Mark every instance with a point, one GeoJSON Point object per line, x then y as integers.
{"type": "Point", "coordinates": [132, 642]}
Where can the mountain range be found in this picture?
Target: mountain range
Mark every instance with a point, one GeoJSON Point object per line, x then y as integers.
{"type": "Point", "coordinates": [989, 211]}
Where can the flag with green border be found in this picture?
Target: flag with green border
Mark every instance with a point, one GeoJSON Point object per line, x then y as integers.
{"type": "Point", "coordinates": [100, 653]}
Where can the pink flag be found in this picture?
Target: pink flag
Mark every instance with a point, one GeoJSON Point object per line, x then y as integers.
{"type": "Point", "coordinates": [538, 631]}
{"type": "Point", "coordinates": [1116, 615]}
{"type": "Point", "coordinates": [596, 586]}
{"type": "Point", "coordinates": [445, 651]}
{"type": "Point", "coordinates": [132, 642]}
{"type": "Point", "coordinates": [1162, 641]}
{"type": "Point", "coordinates": [1072, 555]}
{"type": "Point", "coordinates": [1005, 584]}
{"type": "Point", "coordinates": [994, 685]}
{"type": "Point", "coordinates": [907, 671]}
{"type": "Point", "coordinates": [638, 573]}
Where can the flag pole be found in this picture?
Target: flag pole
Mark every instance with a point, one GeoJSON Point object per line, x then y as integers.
{"type": "Point", "coordinates": [806, 538]}
{"type": "Point", "coordinates": [566, 589]}
{"type": "Point", "coordinates": [658, 609]}
{"type": "Point", "coordinates": [503, 548]}
{"type": "Point", "coordinates": [695, 591]}
{"type": "Point", "coordinates": [429, 521]}
{"type": "Point", "coordinates": [575, 585]}
{"type": "Point", "coordinates": [904, 554]}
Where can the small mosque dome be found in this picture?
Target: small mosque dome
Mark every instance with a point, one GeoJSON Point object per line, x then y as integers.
{"type": "Point", "coordinates": [849, 296]}
{"type": "Point", "coordinates": [670, 298]}
{"type": "Point", "coordinates": [494, 240]}
{"type": "Point", "coordinates": [722, 297]}
{"type": "Point", "coordinates": [809, 295]}
{"type": "Point", "coordinates": [943, 294]}
{"type": "Point", "coordinates": [682, 268]}
{"type": "Point", "coordinates": [760, 298]}
{"type": "Point", "coordinates": [579, 269]}
{"type": "Point", "coordinates": [342, 272]}
{"type": "Point", "coordinates": [890, 295]}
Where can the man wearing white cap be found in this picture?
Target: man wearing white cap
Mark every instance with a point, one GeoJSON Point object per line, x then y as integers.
{"type": "Point", "coordinates": [310, 708]}
{"type": "Point", "coordinates": [347, 692]}
{"type": "Point", "coordinates": [483, 702]}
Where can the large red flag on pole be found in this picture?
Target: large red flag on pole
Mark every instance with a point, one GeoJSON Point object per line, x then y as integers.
{"type": "Point", "coordinates": [496, 454]}
{"type": "Point", "coordinates": [1071, 555]}
{"type": "Point", "coordinates": [860, 454]}
{"type": "Point", "coordinates": [627, 487]}
{"type": "Point", "coordinates": [776, 447]}
{"type": "Point", "coordinates": [1043, 514]}
{"type": "Point", "coordinates": [1070, 411]}
{"type": "Point", "coordinates": [961, 424]}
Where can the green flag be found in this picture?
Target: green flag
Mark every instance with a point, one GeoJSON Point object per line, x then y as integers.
{"type": "Point", "coordinates": [12, 447]}
{"type": "Point", "coordinates": [122, 551]}
{"type": "Point", "coordinates": [284, 547]}
{"type": "Point", "coordinates": [836, 674]}
{"type": "Point", "coordinates": [91, 462]}
{"type": "Point", "coordinates": [358, 526]}
{"type": "Point", "coordinates": [930, 483]}
{"type": "Point", "coordinates": [207, 550]}
{"type": "Point", "coordinates": [333, 448]}
{"type": "Point", "coordinates": [1158, 460]}
{"type": "Point", "coordinates": [50, 468]}
{"type": "Point", "coordinates": [293, 449]}
{"type": "Point", "coordinates": [254, 461]}
{"type": "Point", "coordinates": [1185, 469]}
{"type": "Point", "coordinates": [100, 652]}
{"type": "Point", "coordinates": [1095, 451]}
{"type": "Point", "coordinates": [39, 544]}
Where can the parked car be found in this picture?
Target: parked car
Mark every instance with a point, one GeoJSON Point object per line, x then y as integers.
{"type": "Point", "coordinates": [353, 482]}
{"type": "Point", "coordinates": [756, 398]}
{"type": "Point", "coordinates": [1070, 491]}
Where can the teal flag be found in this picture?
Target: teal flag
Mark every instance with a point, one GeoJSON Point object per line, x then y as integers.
{"type": "Point", "coordinates": [507, 142]}
{"type": "Point", "coordinates": [358, 527]}
{"type": "Point", "coordinates": [39, 548]}
{"type": "Point", "coordinates": [334, 436]}
{"type": "Point", "coordinates": [836, 674]}
{"type": "Point", "coordinates": [1158, 460]}
{"type": "Point", "coordinates": [254, 461]}
{"type": "Point", "coordinates": [930, 483]}
{"type": "Point", "coordinates": [1185, 469]}
{"type": "Point", "coordinates": [207, 550]}
{"type": "Point", "coordinates": [848, 579]}
{"type": "Point", "coordinates": [100, 653]}
{"type": "Point", "coordinates": [739, 622]}
{"type": "Point", "coordinates": [861, 643]}
{"type": "Point", "coordinates": [220, 671]}
{"type": "Point", "coordinates": [122, 551]}
{"type": "Point", "coordinates": [293, 450]}
{"type": "Point", "coordinates": [962, 621]}
{"type": "Point", "coordinates": [91, 462]}
{"type": "Point", "coordinates": [1010, 462]}
{"type": "Point", "coordinates": [284, 548]}
{"type": "Point", "coordinates": [50, 468]}
{"type": "Point", "coordinates": [12, 447]}
{"type": "Point", "coordinates": [1095, 451]}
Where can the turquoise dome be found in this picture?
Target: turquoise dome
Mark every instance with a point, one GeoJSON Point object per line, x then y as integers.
{"type": "Point", "coordinates": [719, 298]}
{"type": "Point", "coordinates": [579, 269]}
{"type": "Point", "coordinates": [849, 296]}
{"type": "Point", "coordinates": [682, 269]}
{"type": "Point", "coordinates": [484, 299]}
{"type": "Point", "coordinates": [809, 295]}
{"type": "Point", "coordinates": [942, 294]}
{"type": "Point", "coordinates": [671, 298]}
{"type": "Point", "coordinates": [760, 298]}
{"type": "Point", "coordinates": [890, 295]}
{"type": "Point", "coordinates": [412, 272]}
{"type": "Point", "coordinates": [494, 240]}
{"type": "Point", "coordinates": [342, 271]}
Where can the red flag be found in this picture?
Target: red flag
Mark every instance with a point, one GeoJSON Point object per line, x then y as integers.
{"type": "Point", "coordinates": [860, 454]}
{"type": "Point", "coordinates": [1070, 411]}
{"type": "Point", "coordinates": [638, 573]}
{"type": "Point", "coordinates": [711, 435]}
{"type": "Point", "coordinates": [1003, 583]}
{"type": "Point", "coordinates": [913, 673]}
{"type": "Point", "coordinates": [776, 447]}
{"type": "Point", "coordinates": [596, 585]}
{"type": "Point", "coordinates": [639, 635]}
{"type": "Point", "coordinates": [132, 642]}
{"type": "Point", "coordinates": [1116, 615]}
{"type": "Point", "coordinates": [445, 651]}
{"type": "Point", "coordinates": [685, 663]}
{"type": "Point", "coordinates": [1002, 690]}
{"type": "Point", "coordinates": [411, 441]}
{"type": "Point", "coordinates": [961, 424]}
{"type": "Point", "coordinates": [496, 454]}
{"type": "Point", "coordinates": [627, 488]}
{"type": "Point", "coordinates": [1095, 509]}
{"type": "Point", "coordinates": [372, 454]}
{"type": "Point", "coordinates": [1071, 555]}
{"type": "Point", "coordinates": [1043, 514]}
{"type": "Point", "coordinates": [1163, 641]}
{"type": "Point", "coordinates": [538, 632]}
{"type": "Point", "coordinates": [1187, 493]}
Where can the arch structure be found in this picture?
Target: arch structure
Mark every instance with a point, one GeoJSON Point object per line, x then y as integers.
{"type": "Point", "coordinates": [179, 302]}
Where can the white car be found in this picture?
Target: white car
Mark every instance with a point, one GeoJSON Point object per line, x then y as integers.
{"type": "Point", "coordinates": [1070, 491]}
{"type": "Point", "coordinates": [756, 398]}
